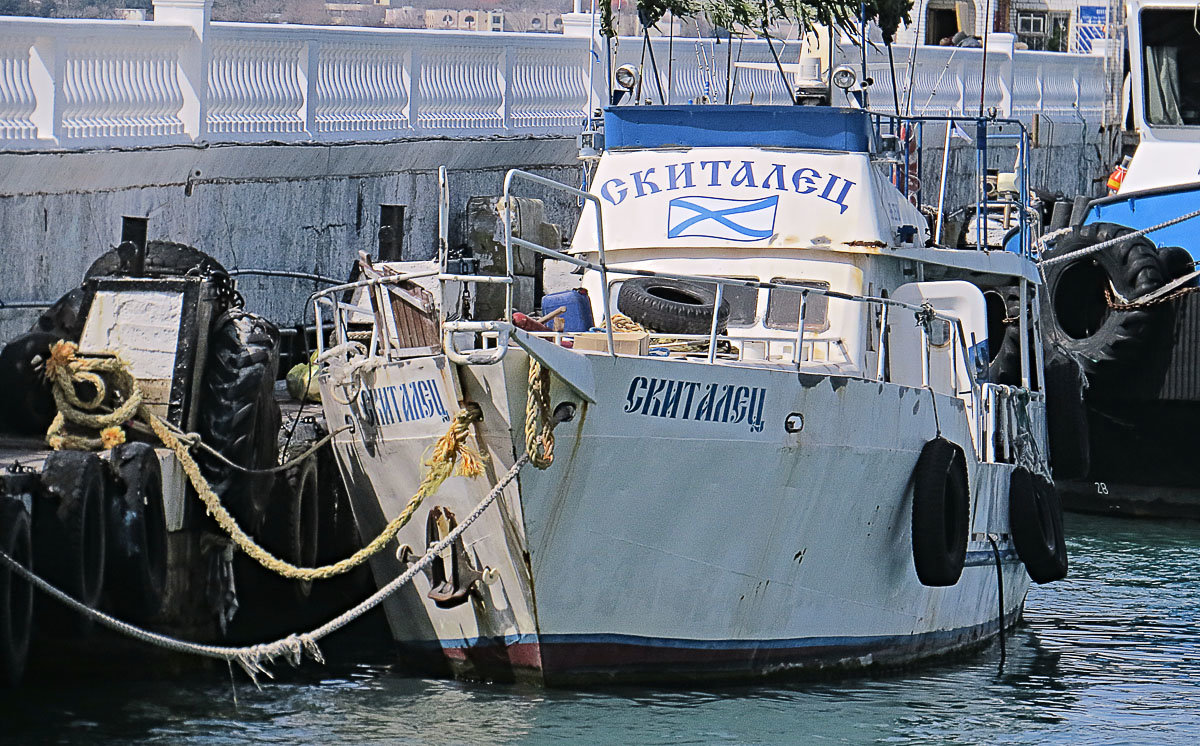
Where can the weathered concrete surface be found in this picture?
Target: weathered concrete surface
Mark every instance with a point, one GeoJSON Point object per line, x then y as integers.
{"type": "Point", "coordinates": [307, 208]}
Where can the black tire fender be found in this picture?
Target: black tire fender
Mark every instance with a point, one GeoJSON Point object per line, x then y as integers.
{"type": "Point", "coordinates": [295, 519]}
{"type": "Point", "coordinates": [28, 407]}
{"type": "Point", "coordinates": [1075, 313]}
{"type": "Point", "coordinates": [137, 534]}
{"type": "Point", "coordinates": [1035, 520]}
{"type": "Point", "coordinates": [671, 306]}
{"type": "Point", "coordinates": [239, 416]}
{"type": "Point", "coordinates": [940, 513]}
{"type": "Point", "coordinates": [16, 594]}
{"type": "Point", "coordinates": [69, 535]}
{"type": "Point", "coordinates": [162, 258]}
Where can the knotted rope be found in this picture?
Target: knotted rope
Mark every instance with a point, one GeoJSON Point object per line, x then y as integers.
{"type": "Point", "coordinates": [539, 422]}
{"type": "Point", "coordinates": [65, 367]}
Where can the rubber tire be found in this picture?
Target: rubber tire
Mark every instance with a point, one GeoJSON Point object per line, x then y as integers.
{"type": "Point", "coordinates": [28, 407]}
{"type": "Point", "coordinates": [69, 530]}
{"type": "Point", "coordinates": [940, 513]}
{"type": "Point", "coordinates": [1118, 337]}
{"type": "Point", "coordinates": [1005, 366]}
{"type": "Point", "coordinates": [671, 306]}
{"type": "Point", "coordinates": [67, 316]}
{"type": "Point", "coordinates": [1035, 520]}
{"type": "Point", "coordinates": [1177, 262]}
{"type": "Point", "coordinates": [162, 258]}
{"type": "Point", "coordinates": [297, 519]}
{"type": "Point", "coordinates": [137, 534]}
{"type": "Point", "coordinates": [239, 416]}
{"type": "Point", "coordinates": [1066, 419]}
{"type": "Point", "coordinates": [16, 594]}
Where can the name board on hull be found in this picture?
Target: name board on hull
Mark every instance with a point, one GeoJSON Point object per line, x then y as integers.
{"type": "Point", "coordinates": [406, 402]}
{"type": "Point", "coordinates": [696, 401]}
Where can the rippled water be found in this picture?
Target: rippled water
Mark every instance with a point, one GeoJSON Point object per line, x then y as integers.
{"type": "Point", "coordinates": [1110, 656]}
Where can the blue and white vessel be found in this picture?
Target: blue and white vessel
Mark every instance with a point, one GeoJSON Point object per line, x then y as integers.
{"type": "Point", "coordinates": [792, 462]}
{"type": "Point", "coordinates": [1127, 310]}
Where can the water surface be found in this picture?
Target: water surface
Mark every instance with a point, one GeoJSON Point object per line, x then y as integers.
{"type": "Point", "coordinates": [1110, 656]}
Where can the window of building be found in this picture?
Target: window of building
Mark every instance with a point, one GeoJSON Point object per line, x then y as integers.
{"type": "Point", "coordinates": [1031, 22]}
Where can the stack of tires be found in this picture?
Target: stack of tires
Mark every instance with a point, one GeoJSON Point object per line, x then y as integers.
{"type": "Point", "coordinates": [96, 527]}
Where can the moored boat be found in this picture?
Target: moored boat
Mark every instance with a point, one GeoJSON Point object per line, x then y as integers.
{"type": "Point", "coordinates": [793, 460]}
{"type": "Point", "coordinates": [1122, 289]}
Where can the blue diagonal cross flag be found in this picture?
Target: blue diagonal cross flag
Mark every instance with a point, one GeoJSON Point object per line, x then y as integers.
{"type": "Point", "coordinates": [717, 217]}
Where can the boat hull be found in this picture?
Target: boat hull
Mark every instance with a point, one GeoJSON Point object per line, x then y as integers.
{"type": "Point", "coordinates": [675, 539]}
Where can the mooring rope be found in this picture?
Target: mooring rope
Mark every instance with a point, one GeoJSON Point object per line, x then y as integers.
{"type": "Point", "coordinates": [254, 658]}
{"type": "Point", "coordinates": [65, 368]}
{"type": "Point", "coordinates": [1088, 250]}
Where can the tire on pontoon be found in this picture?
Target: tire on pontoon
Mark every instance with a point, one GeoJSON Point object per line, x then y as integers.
{"type": "Point", "coordinates": [239, 416]}
{"type": "Point", "coordinates": [16, 594]}
{"type": "Point", "coordinates": [162, 258]}
{"type": "Point", "coordinates": [940, 513]}
{"type": "Point", "coordinates": [28, 405]}
{"type": "Point", "coordinates": [69, 533]}
{"type": "Point", "coordinates": [294, 519]}
{"type": "Point", "coordinates": [137, 534]}
{"type": "Point", "coordinates": [1035, 519]}
{"type": "Point", "coordinates": [671, 306]}
{"type": "Point", "coordinates": [1075, 312]}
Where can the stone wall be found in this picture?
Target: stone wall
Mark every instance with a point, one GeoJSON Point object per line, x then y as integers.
{"type": "Point", "coordinates": [306, 208]}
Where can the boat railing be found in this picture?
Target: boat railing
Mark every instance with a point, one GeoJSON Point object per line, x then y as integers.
{"type": "Point", "coordinates": [499, 332]}
{"type": "Point", "coordinates": [908, 165]}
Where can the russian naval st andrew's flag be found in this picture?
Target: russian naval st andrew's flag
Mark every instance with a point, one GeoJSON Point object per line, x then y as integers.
{"type": "Point", "coordinates": [717, 217]}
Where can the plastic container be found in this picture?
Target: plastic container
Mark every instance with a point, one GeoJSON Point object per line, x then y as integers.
{"type": "Point", "coordinates": [578, 316]}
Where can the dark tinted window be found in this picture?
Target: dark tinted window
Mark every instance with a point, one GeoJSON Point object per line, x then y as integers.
{"type": "Point", "coordinates": [783, 306]}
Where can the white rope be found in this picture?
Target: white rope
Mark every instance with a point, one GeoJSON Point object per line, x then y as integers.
{"type": "Point", "coordinates": [1111, 242]}
{"type": "Point", "coordinates": [254, 658]}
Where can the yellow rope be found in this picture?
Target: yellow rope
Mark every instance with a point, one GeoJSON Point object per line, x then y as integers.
{"type": "Point", "coordinates": [64, 368]}
{"type": "Point", "coordinates": [539, 436]}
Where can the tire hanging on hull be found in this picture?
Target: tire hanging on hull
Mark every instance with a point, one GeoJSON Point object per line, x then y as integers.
{"type": "Point", "coordinates": [1035, 519]}
{"type": "Point", "coordinates": [940, 513]}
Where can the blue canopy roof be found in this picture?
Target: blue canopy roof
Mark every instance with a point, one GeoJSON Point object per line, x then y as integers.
{"type": "Point", "coordinates": [804, 127]}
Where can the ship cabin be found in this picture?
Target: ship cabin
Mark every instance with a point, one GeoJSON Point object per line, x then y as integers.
{"type": "Point", "coordinates": [794, 215]}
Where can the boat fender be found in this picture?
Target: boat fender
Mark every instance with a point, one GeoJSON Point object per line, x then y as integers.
{"type": "Point", "coordinates": [1178, 262]}
{"type": "Point", "coordinates": [69, 536]}
{"type": "Point", "coordinates": [1078, 320]}
{"type": "Point", "coordinates": [239, 416]}
{"type": "Point", "coordinates": [672, 306]}
{"type": "Point", "coordinates": [137, 533]}
{"type": "Point", "coordinates": [28, 405]}
{"type": "Point", "coordinates": [940, 513]}
{"type": "Point", "coordinates": [295, 518]}
{"type": "Point", "coordinates": [16, 595]}
{"type": "Point", "coordinates": [1035, 519]}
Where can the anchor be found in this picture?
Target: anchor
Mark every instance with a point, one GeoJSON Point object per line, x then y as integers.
{"type": "Point", "coordinates": [453, 588]}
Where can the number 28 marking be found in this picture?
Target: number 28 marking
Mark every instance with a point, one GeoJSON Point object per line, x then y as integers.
{"type": "Point", "coordinates": [1101, 488]}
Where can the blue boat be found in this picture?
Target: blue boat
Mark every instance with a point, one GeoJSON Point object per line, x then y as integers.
{"type": "Point", "coordinates": [1122, 298]}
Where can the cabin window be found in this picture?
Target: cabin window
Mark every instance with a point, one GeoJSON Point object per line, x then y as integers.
{"type": "Point", "coordinates": [783, 306]}
{"type": "Point", "coordinates": [1171, 57]}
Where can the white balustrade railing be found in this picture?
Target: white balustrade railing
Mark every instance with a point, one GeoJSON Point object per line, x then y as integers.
{"type": "Point", "coordinates": [182, 78]}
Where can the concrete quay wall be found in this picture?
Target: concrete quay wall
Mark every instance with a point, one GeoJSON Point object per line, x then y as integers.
{"type": "Point", "coordinates": [299, 207]}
